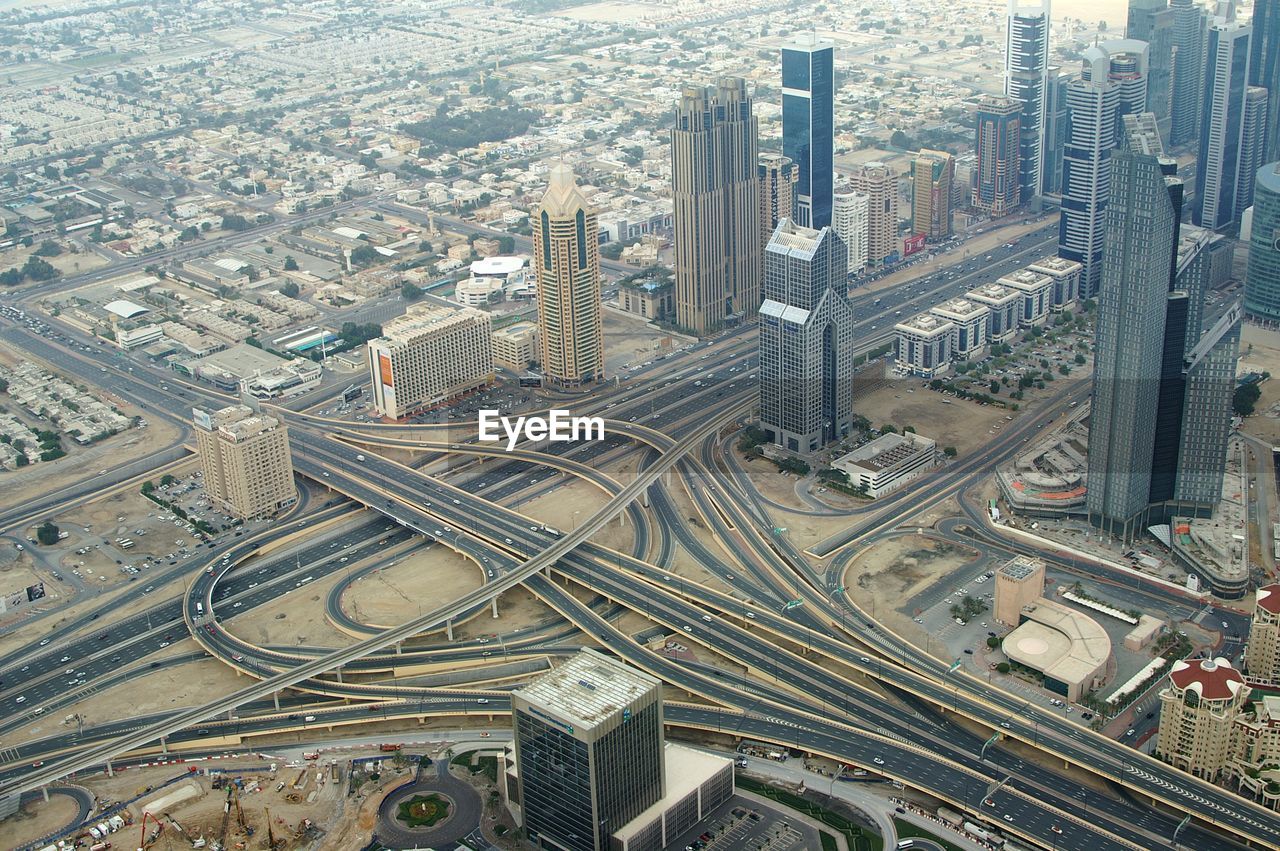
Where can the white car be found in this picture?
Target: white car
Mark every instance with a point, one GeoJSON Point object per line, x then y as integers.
{"type": "Point", "coordinates": [878, 761]}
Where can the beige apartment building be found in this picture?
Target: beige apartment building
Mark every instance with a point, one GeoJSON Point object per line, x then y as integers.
{"type": "Point", "coordinates": [880, 184]}
{"type": "Point", "coordinates": [566, 257]}
{"type": "Point", "coordinates": [429, 355]}
{"type": "Point", "coordinates": [778, 176]}
{"type": "Point", "coordinates": [932, 176]}
{"type": "Point", "coordinates": [516, 346]}
{"type": "Point", "coordinates": [1198, 712]}
{"type": "Point", "coordinates": [1262, 656]}
{"type": "Point", "coordinates": [245, 459]}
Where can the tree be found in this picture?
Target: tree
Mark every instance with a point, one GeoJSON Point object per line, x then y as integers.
{"type": "Point", "coordinates": [1003, 667]}
{"type": "Point", "coordinates": [48, 248]}
{"type": "Point", "coordinates": [290, 288]}
{"type": "Point", "coordinates": [364, 255]}
{"type": "Point", "coordinates": [409, 292]}
{"type": "Point", "coordinates": [290, 265]}
{"type": "Point", "coordinates": [236, 222]}
{"type": "Point", "coordinates": [1245, 397]}
{"type": "Point", "coordinates": [167, 479]}
{"type": "Point", "coordinates": [38, 270]}
{"type": "Point", "coordinates": [949, 451]}
{"type": "Point", "coordinates": [888, 429]}
{"type": "Point", "coordinates": [993, 642]}
{"type": "Point", "coordinates": [47, 534]}
{"type": "Point", "coordinates": [995, 386]}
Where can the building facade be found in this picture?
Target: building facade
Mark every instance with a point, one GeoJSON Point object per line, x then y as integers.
{"type": "Point", "coordinates": [1036, 289]}
{"type": "Point", "coordinates": [1222, 109]}
{"type": "Point", "coordinates": [566, 254]}
{"type": "Point", "coordinates": [777, 176]}
{"type": "Point", "coordinates": [880, 184]}
{"type": "Point", "coordinates": [1264, 69]}
{"type": "Point", "coordinates": [1026, 81]}
{"type": "Point", "coordinates": [1152, 22]}
{"type": "Point", "coordinates": [808, 125]}
{"type": "Point", "coordinates": [1066, 280]}
{"type": "Point", "coordinates": [997, 137]}
{"type": "Point", "coordinates": [1262, 656]}
{"type": "Point", "coordinates": [850, 219]}
{"type": "Point", "coordinates": [888, 462]}
{"type": "Point", "coordinates": [932, 174]}
{"type": "Point", "coordinates": [244, 456]}
{"type": "Point", "coordinates": [806, 340]}
{"type": "Point", "coordinates": [715, 195]}
{"type": "Point", "coordinates": [1189, 23]}
{"type": "Point", "coordinates": [971, 321]}
{"type": "Point", "coordinates": [1003, 304]}
{"type": "Point", "coordinates": [430, 355]}
{"type": "Point", "coordinates": [1019, 583]}
{"type": "Point", "coordinates": [923, 345]}
{"type": "Point", "coordinates": [1198, 709]}
{"type": "Point", "coordinates": [1253, 143]}
{"type": "Point", "coordinates": [516, 346]}
{"type": "Point", "coordinates": [1262, 280]}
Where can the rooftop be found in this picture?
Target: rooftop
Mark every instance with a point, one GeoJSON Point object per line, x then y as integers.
{"type": "Point", "coordinates": [887, 450]}
{"type": "Point", "coordinates": [1268, 597]}
{"type": "Point", "coordinates": [992, 292]}
{"type": "Point", "coordinates": [1053, 263]}
{"type": "Point", "coordinates": [1212, 679]}
{"type": "Point", "coordinates": [1026, 278]}
{"type": "Point", "coordinates": [1059, 642]}
{"type": "Point", "coordinates": [1021, 567]}
{"type": "Point", "coordinates": [425, 318]}
{"type": "Point", "coordinates": [497, 266]}
{"type": "Point", "coordinates": [589, 688]}
{"type": "Point", "coordinates": [926, 323]}
{"type": "Point", "coordinates": [960, 308]}
{"type": "Point", "coordinates": [685, 769]}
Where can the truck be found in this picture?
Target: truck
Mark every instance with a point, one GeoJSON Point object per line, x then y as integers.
{"type": "Point", "coordinates": [387, 747]}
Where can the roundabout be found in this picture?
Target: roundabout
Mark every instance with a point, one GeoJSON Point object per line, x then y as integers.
{"type": "Point", "coordinates": [433, 810]}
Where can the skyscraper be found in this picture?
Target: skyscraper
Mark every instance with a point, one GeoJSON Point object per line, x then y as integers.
{"type": "Point", "coordinates": [880, 184]}
{"type": "Point", "coordinates": [1189, 22]}
{"type": "Point", "coordinates": [1262, 656]}
{"type": "Point", "coordinates": [1209, 376]}
{"type": "Point", "coordinates": [808, 124]}
{"type": "Point", "coordinates": [1221, 122]}
{"type": "Point", "coordinates": [1262, 280]}
{"type": "Point", "coordinates": [996, 141]}
{"type": "Point", "coordinates": [1092, 104]}
{"type": "Point", "coordinates": [1264, 69]}
{"type": "Point", "coordinates": [1141, 236]}
{"type": "Point", "coordinates": [429, 355]}
{"type": "Point", "coordinates": [566, 254]}
{"type": "Point", "coordinates": [715, 195]}
{"type": "Point", "coordinates": [850, 218]}
{"type": "Point", "coordinates": [1152, 21]}
{"type": "Point", "coordinates": [777, 175]}
{"type": "Point", "coordinates": [245, 461]}
{"type": "Point", "coordinates": [1055, 130]}
{"type": "Point", "coordinates": [932, 174]}
{"type": "Point", "coordinates": [806, 340]}
{"type": "Point", "coordinates": [1253, 142]}
{"type": "Point", "coordinates": [1128, 67]}
{"type": "Point", "coordinates": [588, 745]}
{"type": "Point", "coordinates": [1026, 66]}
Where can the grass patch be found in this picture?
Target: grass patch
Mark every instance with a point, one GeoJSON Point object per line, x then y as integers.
{"type": "Point", "coordinates": [828, 841]}
{"type": "Point", "coordinates": [907, 830]}
{"type": "Point", "coordinates": [489, 765]}
{"type": "Point", "coordinates": [423, 810]}
{"type": "Point", "coordinates": [858, 837]}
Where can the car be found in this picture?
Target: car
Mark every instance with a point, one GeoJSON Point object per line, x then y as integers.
{"type": "Point", "coordinates": [1129, 732]}
{"type": "Point", "coordinates": [44, 642]}
{"type": "Point", "coordinates": [164, 644]}
{"type": "Point", "coordinates": [1224, 625]}
{"type": "Point", "coordinates": [878, 761]}
{"type": "Point", "coordinates": [482, 700]}
{"type": "Point", "coordinates": [65, 659]}
{"type": "Point", "coordinates": [687, 628]}
{"type": "Point", "coordinates": [22, 698]}
{"type": "Point", "coordinates": [1008, 817]}
{"type": "Point", "coordinates": [1056, 829]}
{"type": "Point", "coordinates": [969, 651]}
{"type": "Point", "coordinates": [1006, 725]}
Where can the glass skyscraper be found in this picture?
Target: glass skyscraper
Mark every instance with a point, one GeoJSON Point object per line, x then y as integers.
{"type": "Point", "coordinates": [1221, 122]}
{"type": "Point", "coordinates": [1026, 80]}
{"type": "Point", "coordinates": [1262, 281]}
{"type": "Point", "coordinates": [1264, 68]}
{"type": "Point", "coordinates": [1152, 21]}
{"type": "Point", "coordinates": [808, 118]}
{"type": "Point", "coordinates": [1189, 21]}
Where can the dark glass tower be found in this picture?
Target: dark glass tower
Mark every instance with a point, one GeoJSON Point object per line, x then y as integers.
{"type": "Point", "coordinates": [1222, 111]}
{"type": "Point", "coordinates": [1264, 68]}
{"type": "Point", "coordinates": [1262, 281]}
{"type": "Point", "coordinates": [808, 118]}
{"type": "Point", "coordinates": [1152, 21]}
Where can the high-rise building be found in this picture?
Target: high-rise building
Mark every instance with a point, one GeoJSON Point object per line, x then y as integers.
{"type": "Point", "coordinates": [1262, 280]}
{"type": "Point", "coordinates": [1264, 69]}
{"type": "Point", "coordinates": [1026, 80]}
{"type": "Point", "coordinates": [996, 147]}
{"type": "Point", "coordinates": [808, 124]}
{"type": "Point", "coordinates": [1092, 103]}
{"type": "Point", "coordinates": [715, 197]}
{"type": "Point", "coordinates": [1152, 21]}
{"type": "Point", "coordinates": [1128, 68]}
{"type": "Point", "coordinates": [1198, 710]}
{"type": "Point", "coordinates": [806, 340]}
{"type": "Point", "coordinates": [588, 745]}
{"type": "Point", "coordinates": [1055, 129]}
{"type": "Point", "coordinates": [880, 184]}
{"type": "Point", "coordinates": [1221, 123]}
{"type": "Point", "coordinates": [1141, 227]}
{"type": "Point", "coordinates": [1209, 380]}
{"type": "Point", "coordinates": [932, 174]}
{"type": "Point", "coordinates": [431, 354]}
{"type": "Point", "coordinates": [777, 175]}
{"type": "Point", "coordinates": [850, 219]}
{"type": "Point", "coordinates": [1019, 583]}
{"type": "Point", "coordinates": [1262, 655]}
{"type": "Point", "coordinates": [566, 254]}
{"type": "Point", "coordinates": [1189, 23]}
{"type": "Point", "coordinates": [244, 457]}
{"type": "Point", "coordinates": [1253, 142]}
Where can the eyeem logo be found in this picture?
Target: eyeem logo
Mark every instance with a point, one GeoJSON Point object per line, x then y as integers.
{"type": "Point", "coordinates": [559, 427]}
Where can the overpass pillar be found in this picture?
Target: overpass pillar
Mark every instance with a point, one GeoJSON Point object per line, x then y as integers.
{"type": "Point", "coordinates": [164, 744]}
{"type": "Point", "coordinates": [111, 772]}
{"type": "Point", "coordinates": [338, 674]}
{"type": "Point", "coordinates": [644, 498]}
{"type": "Point", "coordinates": [448, 625]}
{"type": "Point", "coordinates": [494, 601]}
{"type": "Point", "coordinates": [399, 647]}
{"type": "Point", "coordinates": [275, 698]}
{"type": "Point", "coordinates": [44, 790]}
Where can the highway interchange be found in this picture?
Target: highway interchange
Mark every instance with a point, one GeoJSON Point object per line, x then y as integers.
{"type": "Point", "coordinates": [798, 703]}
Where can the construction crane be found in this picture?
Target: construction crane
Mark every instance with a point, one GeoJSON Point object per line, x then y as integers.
{"type": "Point", "coordinates": [145, 842]}
{"type": "Point", "coordinates": [244, 825]}
{"type": "Point", "coordinates": [226, 815]}
{"type": "Point", "coordinates": [274, 843]}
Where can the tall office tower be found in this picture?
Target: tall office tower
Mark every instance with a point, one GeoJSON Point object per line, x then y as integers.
{"type": "Point", "coordinates": [429, 355]}
{"type": "Point", "coordinates": [995, 145]}
{"type": "Point", "coordinates": [1209, 378]}
{"type": "Point", "coordinates": [806, 340]}
{"type": "Point", "coordinates": [1141, 227]}
{"type": "Point", "coordinates": [850, 218]}
{"type": "Point", "coordinates": [1198, 710]}
{"type": "Point", "coordinates": [244, 456]}
{"type": "Point", "coordinates": [715, 195]}
{"type": "Point", "coordinates": [566, 255]}
{"type": "Point", "coordinates": [1055, 129]}
{"type": "Point", "coordinates": [1262, 280]}
{"type": "Point", "coordinates": [1127, 69]}
{"type": "Point", "coordinates": [1189, 23]}
{"type": "Point", "coordinates": [1092, 103]}
{"type": "Point", "coordinates": [1026, 78]}
{"type": "Point", "coordinates": [1152, 21]}
{"type": "Point", "coordinates": [588, 746]}
{"type": "Point", "coordinates": [1262, 655]}
{"type": "Point", "coordinates": [808, 124]}
{"type": "Point", "coordinates": [1253, 143]}
{"type": "Point", "coordinates": [777, 175]}
{"type": "Point", "coordinates": [1264, 69]}
{"type": "Point", "coordinates": [1221, 123]}
{"type": "Point", "coordinates": [880, 184]}
{"type": "Point", "coordinates": [932, 174]}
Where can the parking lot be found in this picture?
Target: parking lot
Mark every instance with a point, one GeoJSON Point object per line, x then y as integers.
{"type": "Point", "coordinates": [741, 825]}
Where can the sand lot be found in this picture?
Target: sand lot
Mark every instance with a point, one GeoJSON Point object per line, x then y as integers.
{"type": "Point", "coordinates": [1260, 349]}
{"type": "Point", "coordinates": [887, 574]}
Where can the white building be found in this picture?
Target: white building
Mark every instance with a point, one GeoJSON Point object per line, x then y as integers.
{"type": "Point", "coordinates": [850, 214]}
{"type": "Point", "coordinates": [1003, 304]}
{"type": "Point", "coordinates": [1066, 280]}
{"type": "Point", "coordinates": [429, 355]}
{"type": "Point", "coordinates": [888, 462]}
{"type": "Point", "coordinates": [971, 320]}
{"type": "Point", "coordinates": [1037, 295]}
{"type": "Point", "coordinates": [478, 292]}
{"type": "Point", "coordinates": [924, 345]}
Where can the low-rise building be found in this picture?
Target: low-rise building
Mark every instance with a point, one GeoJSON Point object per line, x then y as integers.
{"type": "Point", "coordinates": [971, 320]}
{"type": "Point", "coordinates": [516, 346]}
{"type": "Point", "coordinates": [924, 345]}
{"type": "Point", "coordinates": [1066, 280]}
{"type": "Point", "coordinates": [1019, 583]}
{"type": "Point", "coordinates": [1262, 656]}
{"type": "Point", "coordinates": [1036, 290]}
{"type": "Point", "coordinates": [1069, 648]}
{"type": "Point", "coordinates": [649, 297]}
{"type": "Point", "coordinates": [429, 355]}
{"type": "Point", "coordinates": [888, 462]}
{"type": "Point", "coordinates": [1003, 304]}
